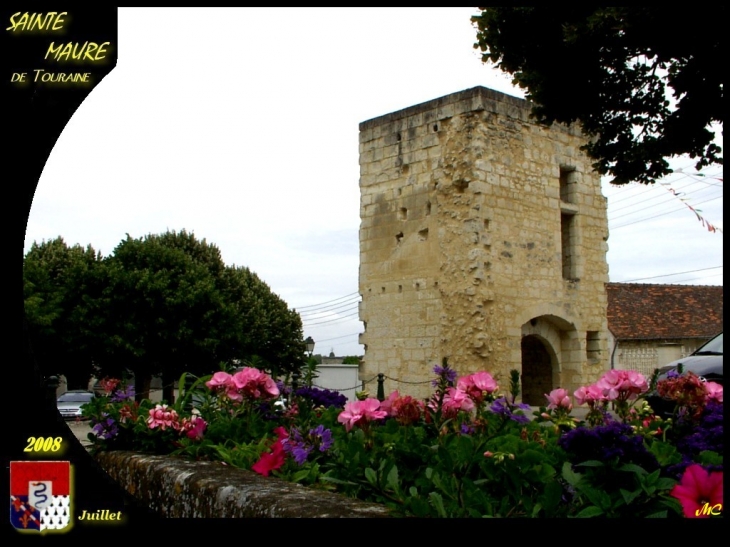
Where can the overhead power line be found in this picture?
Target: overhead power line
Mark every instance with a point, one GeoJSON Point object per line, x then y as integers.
{"type": "Point", "coordinates": [329, 309]}
{"type": "Point", "coordinates": [311, 325]}
{"type": "Point", "coordinates": [670, 275]}
{"type": "Point", "coordinates": [325, 303]}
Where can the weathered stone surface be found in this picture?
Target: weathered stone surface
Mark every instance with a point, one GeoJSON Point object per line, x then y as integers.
{"type": "Point", "coordinates": [175, 488]}
{"type": "Point", "coordinates": [480, 229]}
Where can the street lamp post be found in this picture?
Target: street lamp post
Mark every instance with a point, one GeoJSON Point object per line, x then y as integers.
{"type": "Point", "coordinates": [309, 342]}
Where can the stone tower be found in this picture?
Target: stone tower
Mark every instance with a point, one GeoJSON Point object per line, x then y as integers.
{"type": "Point", "coordinates": [483, 240]}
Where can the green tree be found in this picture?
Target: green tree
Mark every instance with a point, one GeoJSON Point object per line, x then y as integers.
{"type": "Point", "coordinates": [159, 305]}
{"type": "Point", "coordinates": [265, 327]}
{"type": "Point", "coordinates": [645, 83]}
{"type": "Point", "coordinates": [61, 290]}
{"type": "Point", "coordinates": [165, 310]}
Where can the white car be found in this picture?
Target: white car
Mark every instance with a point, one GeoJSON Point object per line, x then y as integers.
{"type": "Point", "coordinates": [69, 404]}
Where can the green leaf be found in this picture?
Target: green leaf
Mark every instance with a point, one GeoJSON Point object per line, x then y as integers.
{"type": "Point", "coordinates": [325, 478]}
{"type": "Point", "coordinates": [438, 503]}
{"type": "Point", "coordinates": [591, 463]}
{"type": "Point", "coordinates": [665, 453]}
{"type": "Point", "coordinates": [629, 496]}
{"type": "Point", "coordinates": [371, 476]}
{"type": "Point", "coordinates": [633, 468]}
{"type": "Point", "coordinates": [597, 497]}
{"type": "Point", "coordinates": [301, 475]}
{"type": "Point", "coordinates": [709, 457]}
{"type": "Point", "coordinates": [392, 479]}
{"type": "Point", "coordinates": [665, 483]}
{"type": "Point", "coordinates": [569, 475]}
{"type": "Point", "coordinates": [659, 515]}
{"type": "Point", "coordinates": [590, 511]}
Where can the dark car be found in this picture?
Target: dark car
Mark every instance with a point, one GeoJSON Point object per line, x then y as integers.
{"type": "Point", "coordinates": [69, 404]}
{"type": "Point", "coordinates": [705, 362]}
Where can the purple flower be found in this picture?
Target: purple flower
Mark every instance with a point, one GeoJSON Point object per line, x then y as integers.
{"type": "Point", "coordinates": [126, 394]}
{"type": "Point", "coordinates": [445, 374]}
{"type": "Point", "coordinates": [322, 397]}
{"type": "Point", "coordinates": [466, 429]}
{"type": "Point", "coordinates": [300, 454]}
{"type": "Point", "coordinates": [300, 447]}
{"type": "Point", "coordinates": [106, 428]}
{"type": "Point", "coordinates": [606, 442]}
{"type": "Point", "coordinates": [323, 437]}
{"type": "Point", "coordinates": [506, 409]}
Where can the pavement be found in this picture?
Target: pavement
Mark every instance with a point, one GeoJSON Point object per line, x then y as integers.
{"type": "Point", "coordinates": [80, 429]}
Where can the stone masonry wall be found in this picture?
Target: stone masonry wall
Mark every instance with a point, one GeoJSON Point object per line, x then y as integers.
{"type": "Point", "coordinates": [479, 227]}
{"type": "Point", "coordinates": [178, 488]}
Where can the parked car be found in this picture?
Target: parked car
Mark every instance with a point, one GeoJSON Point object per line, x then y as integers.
{"type": "Point", "coordinates": [705, 362]}
{"type": "Point", "coordinates": [69, 404]}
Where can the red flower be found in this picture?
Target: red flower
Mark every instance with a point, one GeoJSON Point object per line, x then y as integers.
{"type": "Point", "coordinates": [270, 461]}
{"type": "Point", "coordinates": [699, 491]}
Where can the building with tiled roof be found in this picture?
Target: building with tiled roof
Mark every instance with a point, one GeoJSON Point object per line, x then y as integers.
{"type": "Point", "coordinates": [651, 325]}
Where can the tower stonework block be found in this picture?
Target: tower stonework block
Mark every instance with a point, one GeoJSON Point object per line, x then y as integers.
{"type": "Point", "coordinates": [483, 240]}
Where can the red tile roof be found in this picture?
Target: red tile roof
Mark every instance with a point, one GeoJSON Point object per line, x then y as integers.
{"type": "Point", "coordinates": [638, 311]}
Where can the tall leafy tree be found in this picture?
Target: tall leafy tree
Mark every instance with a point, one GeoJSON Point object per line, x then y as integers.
{"type": "Point", "coordinates": [266, 327]}
{"type": "Point", "coordinates": [166, 313]}
{"type": "Point", "coordinates": [62, 285]}
{"type": "Point", "coordinates": [645, 83]}
{"type": "Point", "coordinates": [162, 304]}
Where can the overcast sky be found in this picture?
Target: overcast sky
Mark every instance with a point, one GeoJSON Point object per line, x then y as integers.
{"type": "Point", "coordinates": [241, 126]}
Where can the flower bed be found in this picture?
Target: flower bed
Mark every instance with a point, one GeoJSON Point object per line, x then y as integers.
{"type": "Point", "coordinates": [470, 450]}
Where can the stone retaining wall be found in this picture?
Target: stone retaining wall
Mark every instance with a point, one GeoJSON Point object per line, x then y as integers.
{"type": "Point", "coordinates": [179, 488]}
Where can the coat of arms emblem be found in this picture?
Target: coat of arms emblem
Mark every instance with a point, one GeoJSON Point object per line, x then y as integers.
{"type": "Point", "coordinates": [40, 495]}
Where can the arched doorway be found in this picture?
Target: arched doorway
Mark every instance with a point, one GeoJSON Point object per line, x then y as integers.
{"type": "Point", "coordinates": [536, 371]}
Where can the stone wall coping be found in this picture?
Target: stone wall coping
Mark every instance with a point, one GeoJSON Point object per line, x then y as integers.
{"type": "Point", "coordinates": [489, 97]}
{"type": "Point", "coordinates": [179, 488]}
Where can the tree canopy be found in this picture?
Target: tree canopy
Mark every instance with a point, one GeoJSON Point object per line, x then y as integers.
{"type": "Point", "coordinates": [644, 83]}
{"type": "Point", "coordinates": [159, 305]}
{"type": "Point", "coordinates": [61, 290]}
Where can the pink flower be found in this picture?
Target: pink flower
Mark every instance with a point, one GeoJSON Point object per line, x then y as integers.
{"type": "Point", "coordinates": [477, 385]}
{"type": "Point", "coordinates": [109, 384]}
{"type": "Point", "coordinates": [359, 412]}
{"type": "Point", "coordinates": [558, 398]}
{"type": "Point", "coordinates": [387, 404]}
{"type": "Point", "coordinates": [405, 409]}
{"type": "Point", "coordinates": [220, 379]}
{"type": "Point", "coordinates": [697, 488]}
{"type": "Point", "coordinates": [248, 382]}
{"type": "Point", "coordinates": [163, 417]}
{"type": "Point", "coordinates": [270, 461]}
{"type": "Point", "coordinates": [714, 392]}
{"type": "Point", "coordinates": [194, 427]}
{"type": "Point", "coordinates": [455, 400]}
{"type": "Point", "coordinates": [254, 384]}
{"type": "Point", "coordinates": [589, 395]}
{"type": "Point", "coordinates": [622, 384]}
